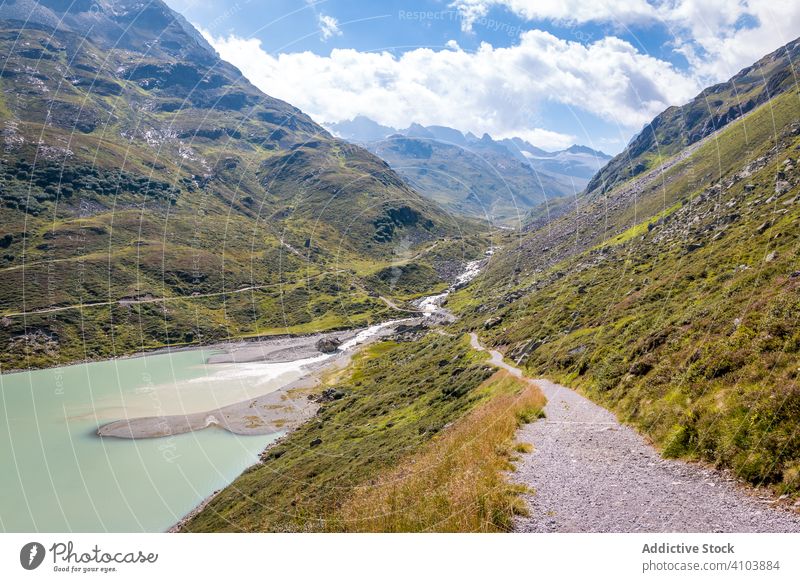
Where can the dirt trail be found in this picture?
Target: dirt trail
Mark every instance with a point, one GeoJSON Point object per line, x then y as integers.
{"type": "Point", "coordinates": [589, 473]}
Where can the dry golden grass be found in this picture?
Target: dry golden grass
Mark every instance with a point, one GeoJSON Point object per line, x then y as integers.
{"type": "Point", "coordinates": [456, 483]}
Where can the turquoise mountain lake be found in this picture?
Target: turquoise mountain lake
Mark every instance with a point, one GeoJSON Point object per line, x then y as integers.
{"type": "Point", "coordinates": [58, 476]}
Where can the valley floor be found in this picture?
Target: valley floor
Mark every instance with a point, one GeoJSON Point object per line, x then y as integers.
{"type": "Point", "coordinates": [589, 473]}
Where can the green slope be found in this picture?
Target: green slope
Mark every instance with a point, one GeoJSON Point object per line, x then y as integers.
{"type": "Point", "coordinates": [380, 412]}
{"type": "Point", "coordinates": [674, 299]}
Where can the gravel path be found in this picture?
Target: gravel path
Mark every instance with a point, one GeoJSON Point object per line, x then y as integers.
{"type": "Point", "coordinates": [589, 473]}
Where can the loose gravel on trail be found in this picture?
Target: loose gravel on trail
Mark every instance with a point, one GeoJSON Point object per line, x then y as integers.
{"type": "Point", "coordinates": [589, 473]}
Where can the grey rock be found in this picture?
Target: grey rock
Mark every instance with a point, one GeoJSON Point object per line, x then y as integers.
{"type": "Point", "coordinates": [782, 186]}
{"type": "Point", "coordinates": [328, 395]}
{"type": "Point", "coordinates": [328, 345]}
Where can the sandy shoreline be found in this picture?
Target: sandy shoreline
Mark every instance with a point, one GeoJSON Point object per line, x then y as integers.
{"type": "Point", "coordinates": [276, 411]}
{"type": "Point", "coordinates": [156, 351]}
{"type": "Point", "coordinates": [276, 350]}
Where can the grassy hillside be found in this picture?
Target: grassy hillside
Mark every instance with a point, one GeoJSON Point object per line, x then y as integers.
{"type": "Point", "coordinates": [375, 415]}
{"type": "Point", "coordinates": [682, 312]}
{"type": "Point", "coordinates": [150, 196]}
{"type": "Point", "coordinates": [456, 482]}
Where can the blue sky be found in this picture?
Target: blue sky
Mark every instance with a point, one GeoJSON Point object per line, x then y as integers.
{"type": "Point", "coordinates": [554, 72]}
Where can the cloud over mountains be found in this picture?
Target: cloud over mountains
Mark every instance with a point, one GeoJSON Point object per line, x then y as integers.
{"type": "Point", "coordinates": [504, 91]}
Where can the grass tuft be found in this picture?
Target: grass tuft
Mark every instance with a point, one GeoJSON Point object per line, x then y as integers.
{"type": "Point", "coordinates": [456, 482]}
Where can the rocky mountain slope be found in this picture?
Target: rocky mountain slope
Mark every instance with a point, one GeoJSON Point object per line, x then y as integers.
{"type": "Point", "coordinates": [497, 180]}
{"type": "Point", "coordinates": [672, 298]}
{"type": "Point", "coordinates": [151, 195]}
{"type": "Point", "coordinates": [714, 108]}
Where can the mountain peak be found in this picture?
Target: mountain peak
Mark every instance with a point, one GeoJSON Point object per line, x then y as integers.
{"type": "Point", "coordinates": [151, 27]}
{"type": "Point", "coordinates": [417, 130]}
{"type": "Point", "coordinates": [361, 129]}
{"type": "Point", "coordinates": [447, 134]}
{"type": "Point", "coordinates": [581, 149]}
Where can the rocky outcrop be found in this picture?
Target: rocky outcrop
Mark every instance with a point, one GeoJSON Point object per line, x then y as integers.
{"type": "Point", "coordinates": [328, 345]}
{"type": "Point", "coordinates": [409, 332]}
{"type": "Point", "coordinates": [327, 395]}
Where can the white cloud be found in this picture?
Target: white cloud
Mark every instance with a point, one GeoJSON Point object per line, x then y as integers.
{"type": "Point", "coordinates": [572, 11]}
{"type": "Point", "coordinates": [499, 91]}
{"type": "Point", "coordinates": [544, 138]}
{"type": "Point", "coordinates": [711, 34]}
{"type": "Point", "coordinates": [328, 26]}
{"type": "Point", "coordinates": [717, 45]}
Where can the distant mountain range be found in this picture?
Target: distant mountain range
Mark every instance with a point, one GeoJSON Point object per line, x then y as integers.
{"type": "Point", "coordinates": [501, 180]}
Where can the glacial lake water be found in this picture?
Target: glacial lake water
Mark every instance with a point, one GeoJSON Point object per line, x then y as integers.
{"type": "Point", "coordinates": [58, 476]}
